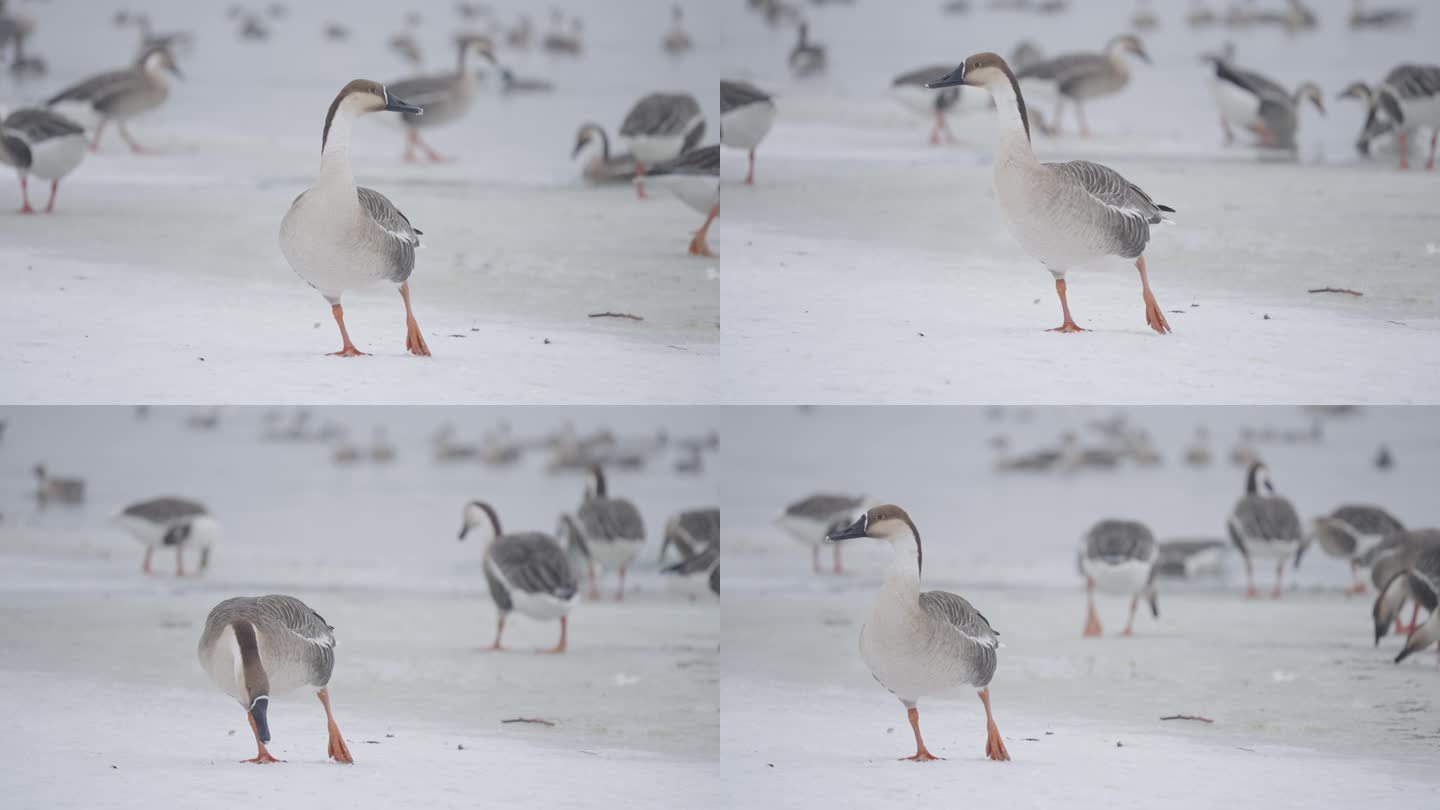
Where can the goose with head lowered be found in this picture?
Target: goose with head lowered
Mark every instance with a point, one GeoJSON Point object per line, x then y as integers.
{"type": "Point", "coordinates": [1419, 580]}
{"type": "Point", "coordinates": [694, 179]}
{"type": "Point", "coordinates": [1063, 214]}
{"type": "Point", "coordinates": [338, 236]}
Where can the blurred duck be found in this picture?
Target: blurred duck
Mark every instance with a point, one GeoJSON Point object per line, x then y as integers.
{"type": "Point", "coordinates": [1393, 555]}
{"type": "Point", "coordinates": [694, 178]}
{"type": "Point", "coordinates": [335, 32]}
{"type": "Point", "coordinates": [1198, 454]}
{"type": "Point", "coordinates": [560, 42]}
{"type": "Point", "coordinates": [1025, 54]}
{"type": "Point", "coordinates": [512, 85]}
{"type": "Point", "coordinates": [661, 127]}
{"type": "Point", "coordinates": [1380, 17]}
{"type": "Point", "coordinates": [704, 562]}
{"type": "Point", "coordinates": [119, 95]}
{"type": "Point", "coordinates": [1144, 18]}
{"type": "Point", "coordinates": [676, 42]}
{"type": "Point", "coordinates": [254, 29]}
{"type": "Point", "coordinates": [338, 236]}
{"type": "Point", "coordinates": [1080, 77]}
{"type": "Point", "coordinates": [746, 115]}
{"type": "Point", "coordinates": [203, 419]}
{"type": "Point", "coordinates": [605, 530]}
{"type": "Point", "coordinates": [810, 519]}
{"type": "Point", "coordinates": [1264, 525]}
{"type": "Point", "coordinates": [602, 168]}
{"type": "Point", "coordinates": [806, 58]}
{"type": "Point", "coordinates": [1350, 531]}
{"type": "Point", "coordinates": [1119, 558]}
{"type": "Point", "coordinates": [1201, 15]}
{"type": "Point", "coordinates": [257, 647]}
{"type": "Point", "coordinates": [36, 141]}
{"type": "Point", "coordinates": [381, 450]}
{"type": "Point", "coordinates": [445, 98]}
{"type": "Point", "coordinates": [1383, 459]}
{"type": "Point", "coordinates": [347, 453]}
{"type": "Point", "coordinates": [519, 35]}
{"type": "Point", "coordinates": [525, 571]}
{"type": "Point", "coordinates": [922, 643]}
{"type": "Point", "coordinates": [1188, 559]}
{"type": "Point", "coordinates": [447, 448]}
{"type": "Point", "coordinates": [168, 522]}
{"type": "Point", "coordinates": [60, 490]}
{"type": "Point", "coordinates": [1419, 581]}
{"type": "Point", "coordinates": [405, 46]}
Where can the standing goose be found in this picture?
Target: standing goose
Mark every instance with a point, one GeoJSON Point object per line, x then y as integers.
{"type": "Point", "coordinates": [525, 571]}
{"type": "Point", "coordinates": [806, 58]}
{"type": "Point", "coordinates": [119, 95]}
{"type": "Point", "coordinates": [61, 490]}
{"type": "Point", "coordinates": [691, 532]}
{"type": "Point", "coordinates": [661, 127]}
{"type": "Point", "coordinates": [810, 519]}
{"type": "Point", "coordinates": [746, 115]}
{"type": "Point", "coordinates": [254, 647]}
{"type": "Point", "coordinates": [1063, 214]}
{"type": "Point", "coordinates": [445, 97]}
{"type": "Point", "coordinates": [694, 178]}
{"type": "Point", "coordinates": [337, 236]}
{"type": "Point", "coordinates": [1119, 558]}
{"type": "Point", "coordinates": [1410, 97]}
{"type": "Point", "coordinates": [604, 167]}
{"type": "Point", "coordinates": [1420, 581]}
{"type": "Point", "coordinates": [676, 41]}
{"type": "Point", "coordinates": [37, 141]}
{"type": "Point", "coordinates": [910, 90]}
{"type": "Point", "coordinates": [1080, 77]}
{"type": "Point", "coordinates": [606, 530]}
{"type": "Point", "coordinates": [1350, 531]}
{"type": "Point", "coordinates": [922, 643]}
{"type": "Point", "coordinates": [1264, 525]}
{"type": "Point", "coordinates": [176, 523]}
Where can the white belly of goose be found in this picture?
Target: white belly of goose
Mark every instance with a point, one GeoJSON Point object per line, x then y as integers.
{"type": "Point", "coordinates": [53, 158]}
{"type": "Point", "coordinates": [745, 127]}
{"type": "Point", "coordinates": [1121, 579]}
{"type": "Point", "coordinates": [1049, 223]}
{"type": "Point", "coordinates": [899, 655]}
{"type": "Point", "coordinates": [1240, 108]}
{"type": "Point", "coordinates": [651, 149]}
{"type": "Point", "coordinates": [542, 606]}
{"type": "Point", "coordinates": [614, 553]}
{"type": "Point", "coordinates": [700, 192]}
{"type": "Point", "coordinates": [326, 240]}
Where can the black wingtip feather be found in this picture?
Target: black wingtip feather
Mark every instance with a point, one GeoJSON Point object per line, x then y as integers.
{"type": "Point", "coordinates": [1167, 209]}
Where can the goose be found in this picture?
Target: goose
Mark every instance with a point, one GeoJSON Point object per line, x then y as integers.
{"type": "Point", "coordinates": [922, 643]}
{"type": "Point", "coordinates": [337, 236]}
{"type": "Point", "coordinates": [1063, 214]}
{"type": "Point", "coordinates": [1264, 525]}
{"type": "Point", "coordinates": [606, 530]}
{"type": "Point", "coordinates": [1080, 77]}
{"type": "Point", "coordinates": [1258, 103]}
{"type": "Point", "coordinates": [1144, 18]}
{"type": "Point", "coordinates": [1410, 98]}
{"type": "Point", "coordinates": [661, 127]}
{"type": "Point", "coordinates": [381, 450]}
{"type": "Point", "coordinates": [676, 42]}
{"type": "Point", "coordinates": [1186, 559]}
{"type": "Point", "coordinates": [1418, 581]}
{"type": "Point", "coordinates": [61, 490]}
{"type": "Point", "coordinates": [256, 647]}
{"type": "Point", "coordinates": [404, 45]}
{"type": "Point", "coordinates": [525, 571]}
{"type": "Point", "coordinates": [518, 37]}
{"type": "Point", "coordinates": [1351, 530]}
{"type": "Point", "coordinates": [910, 90]}
{"type": "Point", "coordinates": [690, 532]}
{"type": "Point", "coordinates": [806, 58]}
{"type": "Point", "coordinates": [171, 522]}
{"type": "Point", "coordinates": [119, 95]}
{"type": "Point", "coordinates": [746, 115]}
{"type": "Point", "coordinates": [694, 178]}
{"type": "Point", "coordinates": [705, 560]}
{"type": "Point", "coordinates": [604, 167]}
{"type": "Point", "coordinates": [558, 41]}
{"type": "Point", "coordinates": [1200, 15]}
{"type": "Point", "coordinates": [1376, 123]}
{"type": "Point", "coordinates": [1392, 556]}
{"type": "Point", "coordinates": [445, 97]}
{"type": "Point", "coordinates": [811, 518]}
{"type": "Point", "coordinates": [1119, 557]}
{"type": "Point", "coordinates": [1379, 18]}
{"type": "Point", "coordinates": [512, 85]}
{"type": "Point", "coordinates": [36, 141]}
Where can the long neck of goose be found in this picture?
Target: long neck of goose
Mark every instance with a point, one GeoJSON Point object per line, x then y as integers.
{"type": "Point", "coordinates": [462, 63]}
{"type": "Point", "coordinates": [903, 576]}
{"type": "Point", "coordinates": [1013, 122]}
{"type": "Point", "coordinates": [335, 156]}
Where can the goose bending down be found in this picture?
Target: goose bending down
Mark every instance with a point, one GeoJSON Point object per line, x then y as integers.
{"type": "Point", "coordinates": [168, 522]}
{"type": "Point", "coordinates": [445, 98]}
{"type": "Point", "coordinates": [605, 530]}
{"type": "Point", "coordinates": [694, 178]}
{"type": "Point", "coordinates": [810, 519]}
{"type": "Point", "coordinates": [1350, 531]}
{"type": "Point", "coordinates": [61, 490]}
{"type": "Point", "coordinates": [1418, 581]}
{"type": "Point", "coordinates": [604, 167]}
{"type": "Point", "coordinates": [910, 90]}
{"type": "Point", "coordinates": [705, 561]}
{"type": "Point", "coordinates": [676, 42]}
{"type": "Point", "coordinates": [1257, 103]}
{"type": "Point", "coordinates": [36, 141]}
{"type": "Point", "coordinates": [1119, 558]}
{"type": "Point", "coordinates": [119, 95]}
{"type": "Point", "coordinates": [806, 58]}
{"type": "Point", "coordinates": [525, 571]}
{"type": "Point", "coordinates": [691, 532]}
{"type": "Point", "coordinates": [256, 647]}
{"type": "Point", "coordinates": [1393, 555]}
{"type": "Point", "coordinates": [1264, 525]}
{"type": "Point", "coordinates": [922, 643]}
{"type": "Point", "coordinates": [661, 127]}
{"type": "Point", "coordinates": [1376, 123]}
{"type": "Point", "coordinates": [1063, 214]}
{"type": "Point", "coordinates": [1079, 77]}
{"type": "Point", "coordinates": [746, 115]}
{"type": "Point", "coordinates": [337, 236]}
{"type": "Point", "coordinates": [1410, 99]}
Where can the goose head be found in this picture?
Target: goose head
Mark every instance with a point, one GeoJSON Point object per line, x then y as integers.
{"type": "Point", "coordinates": [595, 485]}
{"type": "Point", "coordinates": [478, 45]}
{"type": "Point", "coordinates": [479, 513]}
{"type": "Point", "coordinates": [1257, 480]}
{"type": "Point", "coordinates": [362, 97]}
{"type": "Point", "coordinates": [889, 523]}
{"type": "Point", "coordinates": [1127, 43]}
{"type": "Point", "coordinates": [1358, 90]}
{"type": "Point", "coordinates": [587, 134]}
{"type": "Point", "coordinates": [1310, 90]}
{"type": "Point", "coordinates": [987, 70]}
{"type": "Point", "coordinates": [158, 59]}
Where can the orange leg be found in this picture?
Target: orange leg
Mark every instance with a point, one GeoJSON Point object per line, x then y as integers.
{"type": "Point", "coordinates": [348, 349]}
{"type": "Point", "coordinates": [750, 175]}
{"type": "Point", "coordinates": [994, 745]}
{"type": "Point", "coordinates": [179, 562]}
{"type": "Point", "coordinates": [414, 341]}
{"type": "Point", "coordinates": [499, 631]}
{"type": "Point", "coordinates": [145, 568]}
{"type": "Point", "coordinates": [639, 182]}
{"type": "Point", "coordinates": [594, 594]}
{"type": "Point", "coordinates": [921, 753]}
{"type": "Point", "coordinates": [1434, 136]}
{"type": "Point", "coordinates": [338, 750]}
{"type": "Point", "coordinates": [558, 648]}
{"type": "Point", "coordinates": [1130, 623]}
{"type": "Point", "coordinates": [25, 195]}
{"type": "Point", "coordinates": [95, 141]}
{"type": "Point", "coordinates": [1404, 151]}
{"type": "Point", "coordinates": [698, 245]}
{"type": "Point", "coordinates": [54, 187]}
{"type": "Point", "coordinates": [1069, 324]}
{"type": "Point", "coordinates": [1414, 621]}
{"type": "Point", "coordinates": [1359, 586]}
{"type": "Point", "coordinates": [1250, 592]}
{"type": "Point", "coordinates": [1153, 316]}
{"type": "Point", "coordinates": [409, 156]}
{"type": "Point", "coordinates": [135, 146]}
{"type": "Point", "coordinates": [430, 154]}
{"type": "Point", "coordinates": [815, 559]}
{"type": "Point", "coordinates": [839, 569]}
{"type": "Point", "coordinates": [1279, 575]}
{"type": "Point", "coordinates": [620, 590]}
{"type": "Point", "coordinates": [262, 757]}
{"type": "Point", "coordinates": [935, 131]}
{"type": "Point", "coordinates": [945, 129]}
{"type": "Point", "coordinates": [1092, 619]}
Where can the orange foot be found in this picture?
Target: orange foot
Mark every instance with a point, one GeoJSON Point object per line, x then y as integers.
{"type": "Point", "coordinates": [1129, 631]}
{"type": "Point", "coordinates": [995, 747]}
{"type": "Point", "coordinates": [1092, 626]}
{"type": "Point", "coordinates": [1155, 319]}
{"type": "Point", "coordinates": [551, 651]}
{"type": "Point", "coordinates": [348, 351]}
{"type": "Point", "coordinates": [921, 756]}
{"type": "Point", "coordinates": [1357, 588]}
{"type": "Point", "coordinates": [338, 751]}
{"type": "Point", "coordinates": [699, 247]}
{"type": "Point", "coordinates": [263, 758]}
{"type": "Point", "coordinates": [1067, 327]}
{"type": "Point", "coordinates": [415, 343]}
{"type": "Point", "coordinates": [493, 648]}
{"type": "Point", "coordinates": [1251, 594]}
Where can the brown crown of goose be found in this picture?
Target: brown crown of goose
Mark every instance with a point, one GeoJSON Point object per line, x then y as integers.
{"type": "Point", "coordinates": [355, 87]}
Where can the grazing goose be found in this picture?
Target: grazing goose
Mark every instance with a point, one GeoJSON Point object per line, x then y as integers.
{"type": "Point", "coordinates": [704, 561]}
{"type": "Point", "coordinates": [445, 97]}
{"type": "Point", "coordinates": [338, 236]}
{"type": "Point", "coordinates": [512, 85]}
{"type": "Point", "coordinates": [1264, 525]}
{"type": "Point", "coordinates": [661, 127]}
{"type": "Point", "coordinates": [694, 178]}
{"type": "Point", "coordinates": [1186, 559]}
{"type": "Point", "coordinates": [691, 532]}
{"type": "Point", "coordinates": [910, 90]}
{"type": "Point", "coordinates": [604, 167]}
{"type": "Point", "coordinates": [1380, 17]}
{"type": "Point", "coordinates": [1376, 123]}
{"type": "Point", "coordinates": [746, 115]}
{"type": "Point", "coordinates": [1119, 558]}
{"type": "Point", "coordinates": [676, 42]}
{"type": "Point", "coordinates": [1410, 98]}
{"type": "Point", "coordinates": [177, 523]}
{"type": "Point", "coordinates": [1418, 581]}
{"type": "Point", "coordinates": [1257, 103]}
{"type": "Point", "coordinates": [922, 643]}
{"type": "Point", "coordinates": [37, 141]}
{"type": "Point", "coordinates": [810, 519]}
{"type": "Point", "coordinates": [1350, 531]}
{"type": "Point", "coordinates": [119, 95]}
{"type": "Point", "coordinates": [806, 58]}
{"type": "Point", "coordinates": [526, 571]}
{"type": "Point", "coordinates": [606, 530]}
{"type": "Point", "coordinates": [1063, 214]}
{"type": "Point", "coordinates": [60, 490]}
{"type": "Point", "coordinates": [1392, 556]}
{"type": "Point", "coordinates": [1080, 77]}
{"type": "Point", "coordinates": [256, 647]}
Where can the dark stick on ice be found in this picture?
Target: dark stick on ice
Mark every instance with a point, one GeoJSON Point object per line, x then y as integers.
{"type": "Point", "coordinates": [1337, 290]}
{"type": "Point", "coordinates": [535, 720]}
{"type": "Point", "coordinates": [616, 315]}
{"type": "Point", "coordinates": [1188, 717]}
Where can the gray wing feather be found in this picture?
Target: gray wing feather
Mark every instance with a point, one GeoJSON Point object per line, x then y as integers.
{"type": "Point", "coordinates": [1369, 520]}
{"type": "Point", "coordinates": [422, 90]}
{"type": "Point", "coordinates": [406, 238]}
{"type": "Point", "coordinates": [1267, 518]}
{"type": "Point", "coordinates": [1116, 541]}
{"type": "Point", "coordinates": [99, 90]}
{"type": "Point", "coordinates": [1414, 81]}
{"type": "Point", "coordinates": [165, 509]}
{"type": "Point", "coordinates": [38, 124]}
{"type": "Point", "coordinates": [954, 611]}
{"type": "Point", "coordinates": [661, 114]}
{"type": "Point", "coordinates": [823, 507]}
{"type": "Point", "coordinates": [735, 94]}
{"type": "Point", "coordinates": [611, 519]}
{"type": "Point", "coordinates": [1064, 68]}
{"type": "Point", "coordinates": [1130, 211]}
{"type": "Point", "coordinates": [534, 562]}
{"type": "Point", "coordinates": [288, 627]}
{"type": "Point", "coordinates": [704, 161]}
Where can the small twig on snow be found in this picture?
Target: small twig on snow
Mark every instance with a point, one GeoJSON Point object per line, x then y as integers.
{"type": "Point", "coordinates": [624, 315]}
{"type": "Point", "coordinates": [535, 720]}
{"type": "Point", "coordinates": [1340, 290]}
{"type": "Point", "coordinates": [1188, 717]}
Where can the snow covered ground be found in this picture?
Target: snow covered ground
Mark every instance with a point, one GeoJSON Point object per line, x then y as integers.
{"type": "Point", "coordinates": [160, 277]}
{"type": "Point", "coordinates": [97, 662]}
{"type": "Point", "coordinates": [867, 266]}
{"type": "Point", "coordinates": [1306, 711]}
